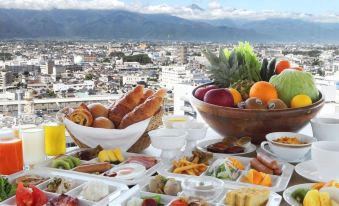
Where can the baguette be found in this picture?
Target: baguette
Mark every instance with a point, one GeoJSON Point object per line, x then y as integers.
{"type": "Point", "coordinates": [147, 93]}
{"type": "Point", "coordinates": [160, 93]}
{"type": "Point", "coordinates": [144, 111]}
{"type": "Point", "coordinates": [126, 104]}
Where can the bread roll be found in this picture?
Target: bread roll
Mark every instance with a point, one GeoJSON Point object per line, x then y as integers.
{"type": "Point", "coordinates": [103, 122]}
{"type": "Point", "coordinates": [81, 116]}
{"type": "Point", "coordinates": [98, 110]}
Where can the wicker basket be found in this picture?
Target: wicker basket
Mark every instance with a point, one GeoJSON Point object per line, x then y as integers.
{"type": "Point", "coordinates": [143, 142]}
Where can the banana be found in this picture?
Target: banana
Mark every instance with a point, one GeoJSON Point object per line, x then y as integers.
{"type": "Point", "coordinates": [118, 154]}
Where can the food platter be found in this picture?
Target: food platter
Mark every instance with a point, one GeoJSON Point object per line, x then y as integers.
{"type": "Point", "coordinates": [115, 189]}
{"type": "Point", "coordinates": [142, 191]}
{"type": "Point", "coordinates": [279, 183]}
{"type": "Point", "coordinates": [203, 144]}
{"type": "Point", "coordinates": [103, 175]}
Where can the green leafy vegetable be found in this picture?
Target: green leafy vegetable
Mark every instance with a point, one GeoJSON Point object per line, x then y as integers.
{"type": "Point", "coordinates": [7, 190]}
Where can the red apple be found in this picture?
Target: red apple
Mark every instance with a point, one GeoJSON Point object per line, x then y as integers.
{"type": "Point", "coordinates": [220, 97]}
{"type": "Point", "coordinates": [200, 92]}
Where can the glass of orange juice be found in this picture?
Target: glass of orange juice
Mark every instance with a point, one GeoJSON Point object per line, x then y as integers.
{"type": "Point", "coordinates": [10, 153]}
{"type": "Point", "coordinates": [55, 139]}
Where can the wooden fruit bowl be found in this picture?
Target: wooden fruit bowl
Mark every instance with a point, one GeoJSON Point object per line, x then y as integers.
{"type": "Point", "coordinates": [236, 122]}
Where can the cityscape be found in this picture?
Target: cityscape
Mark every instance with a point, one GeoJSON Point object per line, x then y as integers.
{"type": "Point", "coordinates": [54, 74]}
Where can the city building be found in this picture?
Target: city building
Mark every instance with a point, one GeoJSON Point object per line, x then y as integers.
{"type": "Point", "coordinates": [132, 79]}
{"type": "Point", "coordinates": [172, 75]}
{"type": "Point", "coordinates": [87, 84]}
{"type": "Point", "coordinates": [182, 55]}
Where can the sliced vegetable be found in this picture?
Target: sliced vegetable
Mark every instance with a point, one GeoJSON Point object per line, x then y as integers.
{"type": "Point", "coordinates": [299, 194]}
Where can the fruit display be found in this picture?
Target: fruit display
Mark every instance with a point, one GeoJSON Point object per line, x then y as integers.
{"type": "Point", "coordinates": [66, 162]}
{"type": "Point", "coordinates": [229, 169]}
{"type": "Point", "coordinates": [162, 185]}
{"type": "Point", "coordinates": [238, 75]}
{"type": "Point", "coordinates": [113, 156]}
{"type": "Point", "coordinates": [258, 178]}
{"type": "Point", "coordinates": [247, 196]}
{"type": "Point", "coordinates": [135, 106]}
{"type": "Point", "coordinates": [7, 189]}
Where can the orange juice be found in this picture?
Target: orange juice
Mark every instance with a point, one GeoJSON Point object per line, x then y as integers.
{"type": "Point", "coordinates": [55, 140]}
{"type": "Point", "coordinates": [11, 160]}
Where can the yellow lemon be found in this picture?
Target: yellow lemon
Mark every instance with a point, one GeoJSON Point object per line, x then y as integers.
{"type": "Point", "coordinates": [236, 96]}
{"type": "Point", "coordinates": [301, 100]}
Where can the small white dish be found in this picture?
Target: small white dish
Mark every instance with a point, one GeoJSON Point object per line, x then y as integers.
{"type": "Point", "coordinates": [289, 151]}
{"type": "Point", "coordinates": [309, 171]}
{"type": "Point", "coordinates": [325, 155]}
{"type": "Point", "coordinates": [266, 149]}
{"type": "Point", "coordinates": [179, 120]}
{"type": "Point", "coordinates": [169, 141]}
{"type": "Point", "coordinates": [288, 193]}
{"type": "Point", "coordinates": [203, 144]}
{"type": "Point", "coordinates": [129, 171]}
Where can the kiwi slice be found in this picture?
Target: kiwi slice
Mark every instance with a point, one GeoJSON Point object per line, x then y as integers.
{"type": "Point", "coordinates": [60, 164]}
{"type": "Point", "coordinates": [70, 162]}
{"type": "Point", "coordinates": [75, 160]}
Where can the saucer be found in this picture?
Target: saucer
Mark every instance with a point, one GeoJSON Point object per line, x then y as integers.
{"type": "Point", "coordinates": [203, 145]}
{"type": "Point", "coordinates": [309, 171]}
{"type": "Point", "coordinates": [266, 149]}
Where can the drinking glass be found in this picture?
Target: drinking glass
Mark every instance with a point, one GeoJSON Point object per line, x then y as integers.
{"type": "Point", "coordinates": [33, 146]}
{"type": "Point", "coordinates": [55, 139]}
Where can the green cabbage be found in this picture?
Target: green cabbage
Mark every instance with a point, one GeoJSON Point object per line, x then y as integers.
{"type": "Point", "coordinates": [292, 82]}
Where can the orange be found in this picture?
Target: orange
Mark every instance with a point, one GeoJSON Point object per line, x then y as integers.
{"type": "Point", "coordinates": [281, 65]}
{"type": "Point", "coordinates": [236, 96]}
{"type": "Point", "coordinates": [264, 91]}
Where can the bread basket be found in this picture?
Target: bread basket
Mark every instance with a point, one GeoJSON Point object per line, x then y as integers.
{"type": "Point", "coordinates": [132, 139]}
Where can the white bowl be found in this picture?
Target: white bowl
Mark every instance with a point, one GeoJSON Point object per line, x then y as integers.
{"type": "Point", "coordinates": [168, 139]}
{"type": "Point", "coordinates": [325, 155]}
{"type": "Point", "coordinates": [325, 128]}
{"type": "Point", "coordinates": [289, 151]}
{"type": "Point", "coordinates": [179, 120]}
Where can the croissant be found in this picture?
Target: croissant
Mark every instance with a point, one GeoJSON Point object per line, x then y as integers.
{"type": "Point", "coordinates": [81, 116]}
{"type": "Point", "coordinates": [147, 93]}
{"type": "Point", "coordinates": [144, 111]}
{"type": "Point", "coordinates": [126, 104]}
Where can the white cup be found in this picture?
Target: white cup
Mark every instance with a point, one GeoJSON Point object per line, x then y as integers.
{"type": "Point", "coordinates": [325, 155]}
{"type": "Point", "coordinates": [325, 128]}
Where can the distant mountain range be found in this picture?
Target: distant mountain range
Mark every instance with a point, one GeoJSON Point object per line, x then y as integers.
{"type": "Point", "coordinates": [118, 24]}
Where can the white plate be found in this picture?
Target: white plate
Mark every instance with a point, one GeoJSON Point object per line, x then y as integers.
{"type": "Point", "coordinates": [203, 144]}
{"type": "Point", "coordinates": [287, 193]}
{"type": "Point", "coordinates": [266, 149]}
{"type": "Point", "coordinates": [139, 171]}
{"type": "Point", "coordinates": [309, 171]}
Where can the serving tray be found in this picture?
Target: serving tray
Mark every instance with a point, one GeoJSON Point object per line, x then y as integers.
{"type": "Point", "coordinates": [115, 188]}
{"type": "Point", "coordinates": [142, 191]}
{"type": "Point", "coordinates": [279, 183]}
{"type": "Point", "coordinates": [47, 165]}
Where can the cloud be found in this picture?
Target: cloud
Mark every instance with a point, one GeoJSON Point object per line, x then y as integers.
{"type": "Point", "coordinates": [214, 9]}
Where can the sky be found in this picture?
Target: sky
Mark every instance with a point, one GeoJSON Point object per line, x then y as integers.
{"type": "Point", "coordinates": [310, 10]}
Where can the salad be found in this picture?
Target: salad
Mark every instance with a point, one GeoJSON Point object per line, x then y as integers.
{"type": "Point", "coordinates": [229, 169]}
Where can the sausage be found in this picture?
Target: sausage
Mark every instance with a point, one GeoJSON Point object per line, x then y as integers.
{"type": "Point", "coordinates": [277, 171]}
{"type": "Point", "coordinates": [267, 161]}
{"type": "Point", "coordinates": [92, 168]}
{"type": "Point", "coordinates": [257, 165]}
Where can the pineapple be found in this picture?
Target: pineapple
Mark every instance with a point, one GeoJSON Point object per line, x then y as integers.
{"type": "Point", "coordinates": [243, 87]}
{"type": "Point", "coordinates": [238, 69]}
